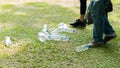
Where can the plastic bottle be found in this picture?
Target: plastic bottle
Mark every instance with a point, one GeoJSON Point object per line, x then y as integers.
{"type": "Point", "coordinates": [62, 25]}
{"type": "Point", "coordinates": [44, 30]}
{"type": "Point", "coordinates": [42, 37]}
{"type": "Point", "coordinates": [54, 34]}
{"type": "Point", "coordinates": [55, 31]}
{"type": "Point", "coordinates": [7, 41]}
{"type": "Point", "coordinates": [69, 30]}
{"type": "Point", "coordinates": [58, 37]}
{"type": "Point", "coordinates": [58, 30]}
{"type": "Point", "coordinates": [64, 28]}
{"type": "Point", "coordinates": [81, 48]}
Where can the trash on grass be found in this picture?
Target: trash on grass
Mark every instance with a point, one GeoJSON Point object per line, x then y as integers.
{"type": "Point", "coordinates": [53, 33]}
{"type": "Point", "coordinates": [7, 41]}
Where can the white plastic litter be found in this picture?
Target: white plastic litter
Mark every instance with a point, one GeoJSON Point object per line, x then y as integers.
{"type": "Point", "coordinates": [82, 48]}
{"type": "Point", "coordinates": [42, 36]}
{"type": "Point", "coordinates": [53, 33]}
{"type": "Point", "coordinates": [62, 27]}
{"type": "Point", "coordinates": [7, 41]}
{"type": "Point", "coordinates": [44, 30]}
{"type": "Point", "coordinates": [58, 37]}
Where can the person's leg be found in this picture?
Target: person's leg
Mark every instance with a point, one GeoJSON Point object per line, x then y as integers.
{"type": "Point", "coordinates": [83, 5]}
{"type": "Point", "coordinates": [107, 27]}
{"type": "Point", "coordinates": [81, 22]}
{"type": "Point", "coordinates": [108, 30]}
{"type": "Point", "coordinates": [98, 12]}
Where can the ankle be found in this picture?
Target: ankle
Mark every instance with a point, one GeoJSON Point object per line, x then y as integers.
{"type": "Point", "coordinates": [82, 18]}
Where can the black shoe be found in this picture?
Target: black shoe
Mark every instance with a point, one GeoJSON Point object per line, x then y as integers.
{"type": "Point", "coordinates": [109, 37]}
{"type": "Point", "coordinates": [78, 23]}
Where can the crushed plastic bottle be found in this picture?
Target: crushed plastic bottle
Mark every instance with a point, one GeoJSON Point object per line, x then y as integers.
{"type": "Point", "coordinates": [7, 41]}
{"type": "Point", "coordinates": [58, 37]}
{"type": "Point", "coordinates": [62, 27]}
{"type": "Point", "coordinates": [82, 48]}
{"type": "Point", "coordinates": [43, 37]}
{"type": "Point", "coordinates": [69, 30]}
{"type": "Point", "coordinates": [53, 33]}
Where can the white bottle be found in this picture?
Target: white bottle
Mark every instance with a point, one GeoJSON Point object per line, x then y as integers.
{"type": "Point", "coordinates": [64, 28]}
{"type": "Point", "coordinates": [62, 25]}
{"type": "Point", "coordinates": [7, 41]}
{"type": "Point", "coordinates": [42, 36]}
{"type": "Point", "coordinates": [55, 31]}
{"type": "Point", "coordinates": [44, 30]}
{"type": "Point", "coordinates": [81, 48]}
{"type": "Point", "coordinates": [59, 37]}
{"type": "Point", "coordinates": [69, 30]}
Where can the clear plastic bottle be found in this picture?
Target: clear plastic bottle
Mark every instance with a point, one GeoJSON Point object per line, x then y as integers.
{"type": "Point", "coordinates": [62, 25]}
{"type": "Point", "coordinates": [69, 30]}
{"type": "Point", "coordinates": [55, 31]}
{"type": "Point", "coordinates": [54, 34]}
{"type": "Point", "coordinates": [44, 30]}
{"type": "Point", "coordinates": [64, 28]}
{"type": "Point", "coordinates": [7, 41]}
{"type": "Point", "coordinates": [58, 37]}
{"type": "Point", "coordinates": [82, 48]}
{"type": "Point", "coordinates": [42, 37]}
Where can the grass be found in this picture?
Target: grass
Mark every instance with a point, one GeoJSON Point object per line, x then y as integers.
{"type": "Point", "coordinates": [23, 22]}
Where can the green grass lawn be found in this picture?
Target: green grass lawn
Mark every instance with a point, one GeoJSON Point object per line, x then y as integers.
{"type": "Point", "coordinates": [23, 23]}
